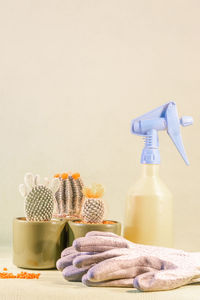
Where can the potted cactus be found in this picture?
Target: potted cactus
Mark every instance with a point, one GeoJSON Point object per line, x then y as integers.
{"type": "Point", "coordinates": [69, 196]}
{"type": "Point", "coordinates": [37, 238]}
{"type": "Point", "coordinates": [92, 215]}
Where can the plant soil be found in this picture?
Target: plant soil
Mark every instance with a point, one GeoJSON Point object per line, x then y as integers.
{"type": "Point", "coordinates": [104, 222]}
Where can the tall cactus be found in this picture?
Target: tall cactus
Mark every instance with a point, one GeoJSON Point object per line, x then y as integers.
{"type": "Point", "coordinates": [69, 198]}
{"type": "Point", "coordinates": [39, 198]}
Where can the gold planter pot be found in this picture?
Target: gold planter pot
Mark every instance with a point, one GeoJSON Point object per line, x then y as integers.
{"type": "Point", "coordinates": [76, 230]}
{"type": "Point", "coordinates": [38, 245]}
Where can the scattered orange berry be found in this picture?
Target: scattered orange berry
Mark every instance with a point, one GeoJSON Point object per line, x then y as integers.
{"type": "Point", "coordinates": [21, 275]}
{"type": "Point", "coordinates": [5, 269]}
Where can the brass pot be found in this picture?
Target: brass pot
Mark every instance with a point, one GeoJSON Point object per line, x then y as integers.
{"type": "Point", "coordinates": [38, 245]}
{"type": "Point", "coordinates": [77, 229]}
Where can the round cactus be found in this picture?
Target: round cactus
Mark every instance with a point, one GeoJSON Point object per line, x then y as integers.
{"type": "Point", "coordinates": [39, 199]}
{"type": "Point", "coordinates": [93, 210]}
{"type": "Point", "coordinates": [93, 207]}
{"type": "Point", "coordinates": [39, 204]}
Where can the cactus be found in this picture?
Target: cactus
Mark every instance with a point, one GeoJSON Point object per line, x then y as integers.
{"type": "Point", "coordinates": [39, 199]}
{"type": "Point", "coordinates": [93, 207]}
{"type": "Point", "coordinates": [69, 198]}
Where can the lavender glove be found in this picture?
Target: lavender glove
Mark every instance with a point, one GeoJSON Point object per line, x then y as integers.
{"type": "Point", "coordinates": [97, 241]}
{"type": "Point", "coordinates": [112, 272]}
{"type": "Point", "coordinates": [145, 272]}
{"type": "Point", "coordinates": [147, 268]}
{"type": "Point", "coordinates": [65, 264]}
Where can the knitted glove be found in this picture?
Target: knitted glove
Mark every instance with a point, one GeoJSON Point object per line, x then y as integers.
{"type": "Point", "coordinates": [98, 241]}
{"type": "Point", "coordinates": [114, 275]}
{"type": "Point", "coordinates": [74, 264]}
{"type": "Point", "coordinates": [144, 272]}
{"type": "Point", "coordinates": [114, 266]}
{"type": "Point", "coordinates": [147, 268]}
{"type": "Point", "coordinates": [65, 264]}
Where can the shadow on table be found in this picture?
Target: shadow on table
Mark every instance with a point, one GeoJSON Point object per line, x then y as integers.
{"type": "Point", "coordinates": [138, 291]}
{"type": "Point", "coordinates": [134, 291]}
{"type": "Point", "coordinates": [194, 283]}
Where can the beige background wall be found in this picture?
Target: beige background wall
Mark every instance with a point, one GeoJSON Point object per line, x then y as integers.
{"type": "Point", "coordinates": [72, 76]}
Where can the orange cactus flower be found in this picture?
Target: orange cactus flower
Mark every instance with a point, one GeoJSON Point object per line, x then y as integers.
{"type": "Point", "coordinates": [76, 175]}
{"type": "Point", "coordinates": [64, 176]}
{"type": "Point", "coordinates": [57, 175]}
{"type": "Point", "coordinates": [96, 191]}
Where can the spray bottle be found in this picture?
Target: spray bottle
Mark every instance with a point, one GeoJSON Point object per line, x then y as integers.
{"type": "Point", "coordinates": [149, 207]}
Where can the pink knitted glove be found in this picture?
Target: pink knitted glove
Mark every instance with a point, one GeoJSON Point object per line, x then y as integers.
{"type": "Point", "coordinates": [147, 268]}
{"type": "Point", "coordinates": [98, 241]}
{"type": "Point", "coordinates": [65, 264]}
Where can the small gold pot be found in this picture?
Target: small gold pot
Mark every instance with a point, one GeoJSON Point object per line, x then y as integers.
{"type": "Point", "coordinates": [76, 229]}
{"type": "Point", "coordinates": [38, 245]}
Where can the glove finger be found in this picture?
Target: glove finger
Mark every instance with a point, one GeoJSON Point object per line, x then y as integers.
{"type": "Point", "coordinates": [125, 282]}
{"type": "Point", "coordinates": [68, 251]}
{"type": "Point", "coordinates": [96, 257]}
{"type": "Point", "coordinates": [87, 260]}
{"type": "Point", "coordinates": [131, 272]}
{"type": "Point", "coordinates": [72, 273]}
{"type": "Point", "coordinates": [102, 233]}
{"type": "Point", "coordinates": [98, 244]}
{"type": "Point", "coordinates": [119, 267]}
{"type": "Point", "coordinates": [65, 261]}
{"type": "Point", "coordinates": [165, 279]}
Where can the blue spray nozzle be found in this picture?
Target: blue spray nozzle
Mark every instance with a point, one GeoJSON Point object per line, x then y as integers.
{"type": "Point", "coordinates": [166, 118]}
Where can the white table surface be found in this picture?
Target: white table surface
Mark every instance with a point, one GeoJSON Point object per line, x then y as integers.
{"type": "Point", "coordinates": [52, 286]}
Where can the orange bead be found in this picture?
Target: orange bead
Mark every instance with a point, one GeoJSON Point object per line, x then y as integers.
{"type": "Point", "coordinates": [21, 275]}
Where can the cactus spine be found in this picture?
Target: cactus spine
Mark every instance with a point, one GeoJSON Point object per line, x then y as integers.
{"type": "Point", "coordinates": [93, 207]}
{"type": "Point", "coordinates": [39, 198]}
{"type": "Point", "coordinates": [69, 198]}
{"type": "Point", "coordinates": [39, 204]}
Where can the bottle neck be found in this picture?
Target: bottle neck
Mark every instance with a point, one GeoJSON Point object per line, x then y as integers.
{"type": "Point", "coordinates": [150, 170]}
